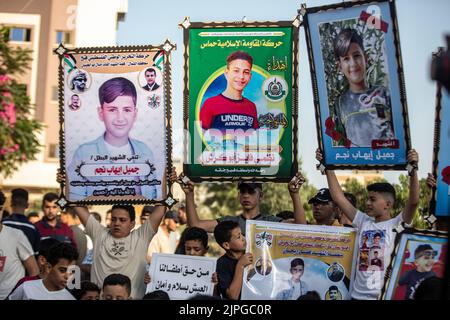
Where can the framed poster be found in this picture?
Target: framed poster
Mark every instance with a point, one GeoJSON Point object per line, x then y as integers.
{"type": "Point", "coordinates": [115, 124]}
{"type": "Point", "coordinates": [358, 86]}
{"type": "Point", "coordinates": [418, 255]}
{"type": "Point", "coordinates": [291, 259]}
{"type": "Point", "coordinates": [240, 100]}
{"type": "Point", "coordinates": [182, 276]}
{"type": "Point", "coordinates": [440, 200]}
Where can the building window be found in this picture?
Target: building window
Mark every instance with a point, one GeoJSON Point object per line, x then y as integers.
{"type": "Point", "coordinates": [53, 150]}
{"type": "Point", "coordinates": [20, 34]}
{"type": "Point", "coordinates": [63, 37]}
{"type": "Point", "coordinates": [54, 93]}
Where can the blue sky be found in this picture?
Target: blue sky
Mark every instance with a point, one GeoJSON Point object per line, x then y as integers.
{"type": "Point", "coordinates": [422, 26]}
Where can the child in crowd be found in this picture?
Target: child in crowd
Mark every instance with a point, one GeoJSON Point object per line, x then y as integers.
{"type": "Point", "coordinates": [116, 286]}
{"type": "Point", "coordinates": [61, 257]}
{"type": "Point", "coordinates": [87, 291]}
{"type": "Point", "coordinates": [230, 267]}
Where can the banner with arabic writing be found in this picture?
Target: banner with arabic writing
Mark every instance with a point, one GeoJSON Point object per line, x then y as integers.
{"type": "Point", "coordinates": [440, 202]}
{"type": "Point", "coordinates": [360, 102]}
{"type": "Point", "coordinates": [292, 259]}
{"type": "Point", "coordinates": [181, 276]}
{"type": "Point", "coordinates": [115, 109]}
{"type": "Point", "coordinates": [240, 91]}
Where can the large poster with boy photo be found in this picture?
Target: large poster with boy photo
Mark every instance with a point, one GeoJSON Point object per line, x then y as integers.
{"type": "Point", "coordinates": [419, 256]}
{"type": "Point", "coordinates": [115, 124]}
{"type": "Point", "coordinates": [240, 111]}
{"type": "Point", "coordinates": [440, 200]}
{"type": "Point", "coordinates": [291, 259]}
{"type": "Point", "coordinates": [356, 69]}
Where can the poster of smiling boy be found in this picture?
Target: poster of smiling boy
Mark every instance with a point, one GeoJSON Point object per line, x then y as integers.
{"type": "Point", "coordinates": [240, 112]}
{"type": "Point", "coordinates": [359, 97]}
{"type": "Point", "coordinates": [107, 154]}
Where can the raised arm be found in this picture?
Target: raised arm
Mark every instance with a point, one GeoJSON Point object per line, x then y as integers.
{"type": "Point", "coordinates": [156, 217]}
{"type": "Point", "coordinates": [336, 192]}
{"type": "Point", "coordinates": [413, 200]}
{"type": "Point", "coordinates": [294, 186]}
{"type": "Point", "coordinates": [191, 212]}
{"type": "Point", "coordinates": [234, 290]}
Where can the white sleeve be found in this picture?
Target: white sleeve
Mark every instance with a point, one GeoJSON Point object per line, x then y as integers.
{"type": "Point", "coordinates": [24, 248]}
{"type": "Point", "coordinates": [145, 232]}
{"type": "Point", "coordinates": [93, 228]}
{"type": "Point", "coordinates": [18, 294]}
{"type": "Point", "coordinates": [359, 219]}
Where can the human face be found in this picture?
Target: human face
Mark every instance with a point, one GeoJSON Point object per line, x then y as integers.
{"type": "Point", "coordinates": [194, 248]}
{"type": "Point", "coordinates": [108, 220]}
{"type": "Point", "coordinates": [59, 274]}
{"type": "Point", "coordinates": [353, 66]}
{"type": "Point", "coordinates": [91, 295]}
{"type": "Point", "coordinates": [144, 217]}
{"type": "Point", "coordinates": [50, 209]}
{"type": "Point", "coordinates": [75, 101]}
{"type": "Point", "coordinates": [171, 224]}
{"type": "Point", "coordinates": [249, 198]}
{"type": "Point", "coordinates": [238, 73]}
{"type": "Point", "coordinates": [323, 212]}
{"type": "Point", "coordinates": [115, 292]}
{"type": "Point", "coordinates": [297, 272]}
{"type": "Point", "coordinates": [119, 117]}
{"type": "Point", "coordinates": [237, 241]}
{"type": "Point", "coordinates": [333, 295]}
{"type": "Point", "coordinates": [150, 76]}
{"type": "Point", "coordinates": [64, 217]}
{"type": "Point", "coordinates": [79, 82]}
{"type": "Point", "coordinates": [425, 262]}
{"type": "Point", "coordinates": [121, 224]}
{"type": "Point", "coordinates": [376, 204]}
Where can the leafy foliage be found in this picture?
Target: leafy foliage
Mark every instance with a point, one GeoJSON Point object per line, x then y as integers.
{"type": "Point", "coordinates": [18, 131]}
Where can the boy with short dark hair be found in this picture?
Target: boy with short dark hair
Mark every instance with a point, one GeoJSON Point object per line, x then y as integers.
{"type": "Point", "coordinates": [87, 291]}
{"type": "Point", "coordinates": [116, 286]}
{"type": "Point", "coordinates": [364, 112]}
{"type": "Point", "coordinates": [61, 257]}
{"type": "Point", "coordinates": [230, 266]}
{"type": "Point", "coordinates": [424, 259]}
{"type": "Point", "coordinates": [376, 227]}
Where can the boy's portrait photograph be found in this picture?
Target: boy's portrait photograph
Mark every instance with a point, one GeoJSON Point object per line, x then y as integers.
{"type": "Point", "coordinates": [238, 86]}
{"type": "Point", "coordinates": [360, 104]}
{"type": "Point", "coordinates": [108, 152]}
{"type": "Point", "coordinates": [418, 258]}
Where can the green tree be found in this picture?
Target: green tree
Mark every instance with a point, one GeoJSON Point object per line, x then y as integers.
{"type": "Point", "coordinates": [18, 131]}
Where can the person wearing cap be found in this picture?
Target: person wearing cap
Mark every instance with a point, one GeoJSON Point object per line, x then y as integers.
{"type": "Point", "coordinates": [250, 197]}
{"type": "Point", "coordinates": [424, 259]}
{"type": "Point", "coordinates": [166, 239]}
{"type": "Point", "coordinates": [324, 209]}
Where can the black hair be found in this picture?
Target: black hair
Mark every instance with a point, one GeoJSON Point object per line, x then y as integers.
{"type": "Point", "coordinates": [118, 279]}
{"type": "Point", "coordinates": [350, 197]}
{"type": "Point", "coordinates": [333, 288]}
{"type": "Point", "coordinates": [32, 214]}
{"type": "Point", "coordinates": [19, 198]}
{"type": "Point", "coordinates": [115, 87]}
{"type": "Point", "coordinates": [148, 209]}
{"type": "Point", "coordinates": [343, 41]}
{"type": "Point", "coordinates": [45, 246]}
{"type": "Point", "coordinates": [383, 188]}
{"type": "Point", "coordinates": [156, 295]}
{"type": "Point", "coordinates": [96, 216]}
{"type": "Point", "coordinates": [49, 197]}
{"type": "Point", "coordinates": [241, 55]}
{"type": "Point", "coordinates": [194, 233]}
{"type": "Point", "coordinates": [85, 286]}
{"type": "Point", "coordinates": [297, 262]}
{"type": "Point", "coordinates": [222, 232]}
{"type": "Point", "coordinates": [285, 215]}
{"type": "Point", "coordinates": [150, 70]}
{"type": "Point", "coordinates": [62, 251]}
{"type": "Point", "coordinates": [310, 295]}
{"type": "Point", "coordinates": [129, 209]}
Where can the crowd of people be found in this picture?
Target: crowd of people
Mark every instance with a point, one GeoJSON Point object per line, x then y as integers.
{"type": "Point", "coordinates": [37, 257]}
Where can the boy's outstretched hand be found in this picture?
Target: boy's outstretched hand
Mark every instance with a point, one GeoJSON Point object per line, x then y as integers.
{"type": "Point", "coordinates": [413, 157]}
{"type": "Point", "coordinates": [431, 181]}
{"type": "Point", "coordinates": [319, 155]}
{"type": "Point", "coordinates": [296, 182]}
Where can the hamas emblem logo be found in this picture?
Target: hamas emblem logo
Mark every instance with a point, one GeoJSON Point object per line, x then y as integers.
{"type": "Point", "coordinates": [262, 237]}
{"type": "Point", "coordinates": [275, 89]}
{"type": "Point", "coordinates": [154, 101]}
